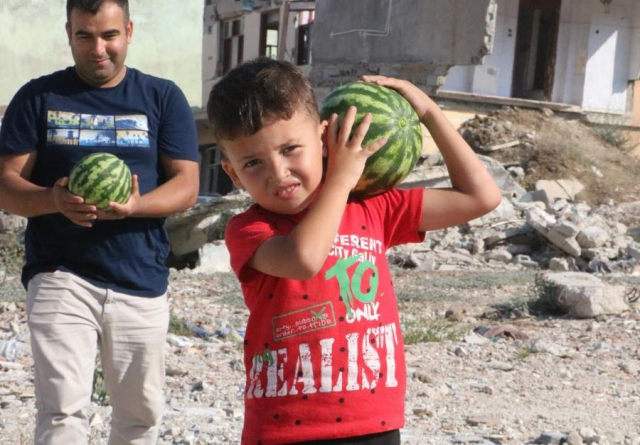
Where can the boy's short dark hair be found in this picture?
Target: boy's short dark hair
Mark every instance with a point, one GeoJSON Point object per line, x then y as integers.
{"type": "Point", "coordinates": [257, 93]}
{"type": "Point", "coordinates": [93, 6]}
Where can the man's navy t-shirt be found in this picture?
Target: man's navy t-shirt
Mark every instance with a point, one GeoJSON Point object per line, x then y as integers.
{"type": "Point", "coordinates": [64, 119]}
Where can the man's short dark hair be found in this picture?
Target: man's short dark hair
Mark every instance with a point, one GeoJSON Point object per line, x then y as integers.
{"type": "Point", "coordinates": [257, 93]}
{"type": "Point", "coordinates": [93, 6]}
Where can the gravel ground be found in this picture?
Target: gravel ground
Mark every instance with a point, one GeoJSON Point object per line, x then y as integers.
{"type": "Point", "coordinates": [539, 380]}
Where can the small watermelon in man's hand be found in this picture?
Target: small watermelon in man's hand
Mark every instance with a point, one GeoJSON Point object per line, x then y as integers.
{"type": "Point", "coordinates": [393, 117]}
{"type": "Point", "coordinates": [101, 178]}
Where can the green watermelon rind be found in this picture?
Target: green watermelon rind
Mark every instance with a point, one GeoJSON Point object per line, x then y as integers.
{"type": "Point", "coordinates": [101, 178]}
{"type": "Point", "coordinates": [393, 117]}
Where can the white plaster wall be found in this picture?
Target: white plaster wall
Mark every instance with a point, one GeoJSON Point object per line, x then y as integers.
{"type": "Point", "coordinates": [594, 51]}
{"type": "Point", "coordinates": [607, 72]}
{"type": "Point", "coordinates": [33, 42]}
{"type": "Point", "coordinates": [167, 42]}
{"type": "Point", "coordinates": [571, 55]}
{"type": "Point", "coordinates": [479, 79]}
{"type": "Point", "coordinates": [459, 78]}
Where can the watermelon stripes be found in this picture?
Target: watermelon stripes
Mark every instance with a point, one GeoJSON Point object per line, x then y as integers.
{"type": "Point", "coordinates": [393, 118]}
{"type": "Point", "coordinates": [101, 178]}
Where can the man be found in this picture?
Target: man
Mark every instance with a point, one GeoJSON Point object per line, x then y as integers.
{"type": "Point", "coordinates": [97, 278]}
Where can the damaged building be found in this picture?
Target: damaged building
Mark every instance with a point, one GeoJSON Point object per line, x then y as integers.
{"type": "Point", "coordinates": [580, 56]}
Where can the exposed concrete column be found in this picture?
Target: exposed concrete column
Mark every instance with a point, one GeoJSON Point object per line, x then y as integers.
{"type": "Point", "coordinates": [634, 62]}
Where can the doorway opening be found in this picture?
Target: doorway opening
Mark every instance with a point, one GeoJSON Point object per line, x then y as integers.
{"type": "Point", "coordinates": [269, 34]}
{"type": "Point", "coordinates": [536, 46]}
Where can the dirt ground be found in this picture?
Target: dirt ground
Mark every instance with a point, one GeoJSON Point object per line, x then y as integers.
{"type": "Point", "coordinates": [552, 147]}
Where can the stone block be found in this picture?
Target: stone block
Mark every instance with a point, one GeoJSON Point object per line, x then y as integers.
{"type": "Point", "coordinates": [560, 188]}
{"type": "Point", "coordinates": [585, 296]}
{"type": "Point", "coordinates": [592, 237]}
{"type": "Point", "coordinates": [567, 245]}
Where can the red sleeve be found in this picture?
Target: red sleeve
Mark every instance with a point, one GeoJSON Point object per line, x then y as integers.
{"type": "Point", "coordinates": [244, 234]}
{"type": "Point", "coordinates": [402, 214]}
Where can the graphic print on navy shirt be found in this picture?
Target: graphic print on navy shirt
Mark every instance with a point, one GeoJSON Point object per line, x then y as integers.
{"type": "Point", "coordinates": [68, 128]}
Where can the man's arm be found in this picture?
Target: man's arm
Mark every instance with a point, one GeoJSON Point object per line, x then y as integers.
{"type": "Point", "coordinates": [179, 192]}
{"type": "Point", "coordinates": [20, 196]}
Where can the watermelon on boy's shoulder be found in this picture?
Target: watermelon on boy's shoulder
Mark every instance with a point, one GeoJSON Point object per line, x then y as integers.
{"type": "Point", "coordinates": [101, 178]}
{"type": "Point", "coordinates": [393, 117]}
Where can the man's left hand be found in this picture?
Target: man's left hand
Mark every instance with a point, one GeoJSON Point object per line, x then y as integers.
{"type": "Point", "coordinates": [120, 211]}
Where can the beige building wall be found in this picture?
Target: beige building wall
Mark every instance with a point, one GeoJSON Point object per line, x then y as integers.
{"type": "Point", "coordinates": [167, 42]}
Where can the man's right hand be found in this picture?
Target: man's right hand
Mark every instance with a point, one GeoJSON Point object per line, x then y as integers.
{"type": "Point", "coordinates": [72, 206]}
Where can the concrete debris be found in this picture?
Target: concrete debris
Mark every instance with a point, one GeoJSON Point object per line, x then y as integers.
{"type": "Point", "coordinates": [560, 189]}
{"type": "Point", "coordinates": [497, 147]}
{"type": "Point", "coordinates": [583, 295]}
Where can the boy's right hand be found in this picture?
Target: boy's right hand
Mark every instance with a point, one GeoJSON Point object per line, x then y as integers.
{"type": "Point", "coordinates": [346, 156]}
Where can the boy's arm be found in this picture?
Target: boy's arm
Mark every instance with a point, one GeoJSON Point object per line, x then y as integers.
{"type": "Point", "coordinates": [301, 254]}
{"type": "Point", "coordinates": [473, 191]}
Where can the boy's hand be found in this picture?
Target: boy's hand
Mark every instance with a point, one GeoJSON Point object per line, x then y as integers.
{"type": "Point", "coordinates": [346, 156]}
{"type": "Point", "coordinates": [418, 99]}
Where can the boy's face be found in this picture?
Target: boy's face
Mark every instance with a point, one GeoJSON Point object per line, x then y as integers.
{"type": "Point", "coordinates": [281, 165]}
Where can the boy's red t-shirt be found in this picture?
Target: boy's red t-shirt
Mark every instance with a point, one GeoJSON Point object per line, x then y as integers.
{"type": "Point", "coordinates": [325, 357]}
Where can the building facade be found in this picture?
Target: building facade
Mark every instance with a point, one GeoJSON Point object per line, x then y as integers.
{"type": "Point", "coordinates": [584, 53]}
{"type": "Point", "coordinates": [578, 55]}
{"type": "Point", "coordinates": [239, 30]}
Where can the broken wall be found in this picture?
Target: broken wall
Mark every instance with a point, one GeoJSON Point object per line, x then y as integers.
{"type": "Point", "coordinates": [494, 76]}
{"type": "Point", "coordinates": [417, 40]}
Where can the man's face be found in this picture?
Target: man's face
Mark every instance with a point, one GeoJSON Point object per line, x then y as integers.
{"type": "Point", "coordinates": [99, 44]}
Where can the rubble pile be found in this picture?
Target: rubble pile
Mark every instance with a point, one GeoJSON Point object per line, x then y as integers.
{"type": "Point", "coordinates": [502, 128]}
{"type": "Point", "coordinates": [11, 256]}
{"type": "Point", "coordinates": [536, 145]}
{"type": "Point", "coordinates": [560, 236]}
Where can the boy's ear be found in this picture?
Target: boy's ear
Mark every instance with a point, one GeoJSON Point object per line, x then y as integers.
{"type": "Point", "coordinates": [229, 170]}
{"type": "Point", "coordinates": [324, 131]}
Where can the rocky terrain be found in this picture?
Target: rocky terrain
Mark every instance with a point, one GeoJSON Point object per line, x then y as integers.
{"type": "Point", "coordinates": [495, 354]}
{"type": "Point", "coordinates": [533, 379]}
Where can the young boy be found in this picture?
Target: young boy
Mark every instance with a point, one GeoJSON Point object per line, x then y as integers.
{"type": "Point", "coordinates": [323, 348]}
